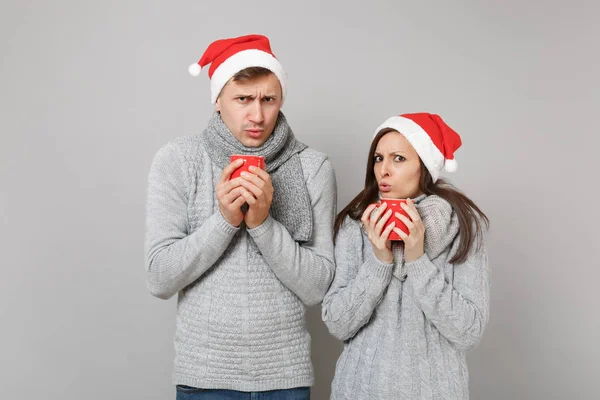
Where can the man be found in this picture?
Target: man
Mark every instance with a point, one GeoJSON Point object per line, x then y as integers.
{"type": "Point", "coordinates": [245, 255]}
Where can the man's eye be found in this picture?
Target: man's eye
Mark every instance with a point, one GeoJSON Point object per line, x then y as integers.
{"type": "Point", "coordinates": [242, 99]}
{"type": "Point", "coordinates": [268, 99]}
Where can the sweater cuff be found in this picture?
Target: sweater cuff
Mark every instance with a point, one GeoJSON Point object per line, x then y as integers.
{"type": "Point", "coordinates": [261, 229]}
{"type": "Point", "coordinates": [380, 269]}
{"type": "Point", "coordinates": [225, 227]}
{"type": "Point", "coordinates": [420, 267]}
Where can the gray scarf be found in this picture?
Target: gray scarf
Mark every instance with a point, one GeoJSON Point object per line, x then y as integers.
{"type": "Point", "coordinates": [441, 228]}
{"type": "Point", "coordinates": [291, 204]}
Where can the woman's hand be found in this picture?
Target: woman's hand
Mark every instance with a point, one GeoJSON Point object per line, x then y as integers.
{"type": "Point", "coordinates": [414, 242]}
{"type": "Point", "coordinates": [373, 225]}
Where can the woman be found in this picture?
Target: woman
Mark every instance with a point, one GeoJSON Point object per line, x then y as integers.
{"type": "Point", "coordinates": [408, 310]}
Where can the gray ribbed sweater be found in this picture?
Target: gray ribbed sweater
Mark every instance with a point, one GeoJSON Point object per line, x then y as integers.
{"type": "Point", "coordinates": [242, 292]}
{"type": "Point", "coordinates": [406, 327]}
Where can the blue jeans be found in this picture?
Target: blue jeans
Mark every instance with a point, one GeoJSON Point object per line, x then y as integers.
{"type": "Point", "coordinates": [190, 393]}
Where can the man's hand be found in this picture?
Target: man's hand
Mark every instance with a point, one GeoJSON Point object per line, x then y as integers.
{"type": "Point", "coordinates": [257, 190]}
{"type": "Point", "coordinates": [229, 195]}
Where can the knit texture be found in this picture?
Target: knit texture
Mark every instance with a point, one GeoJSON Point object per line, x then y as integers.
{"type": "Point", "coordinates": [242, 293]}
{"type": "Point", "coordinates": [407, 326]}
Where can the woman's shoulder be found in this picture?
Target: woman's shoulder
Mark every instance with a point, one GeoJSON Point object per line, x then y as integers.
{"type": "Point", "coordinates": [351, 223]}
{"type": "Point", "coordinates": [349, 229]}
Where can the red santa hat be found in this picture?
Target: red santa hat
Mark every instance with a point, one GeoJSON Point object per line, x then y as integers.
{"type": "Point", "coordinates": [431, 137]}
{"type": "Point", "coordinates": [227, 57]}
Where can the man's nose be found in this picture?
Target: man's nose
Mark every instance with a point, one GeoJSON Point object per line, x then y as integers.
{"type": "Point", "coordinates": [257, 115]}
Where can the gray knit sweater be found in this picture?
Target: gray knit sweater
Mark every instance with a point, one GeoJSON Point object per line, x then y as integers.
{"type": "Point", "coordinates": [406, 326]}
{"type": "Point", "coordinates": [242, 292]}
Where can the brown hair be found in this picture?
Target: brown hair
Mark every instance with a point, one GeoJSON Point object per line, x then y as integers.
{"type": "Point", "coordinates": [471, 219]}
{"type": "Point", "coordinates": [247, 74]}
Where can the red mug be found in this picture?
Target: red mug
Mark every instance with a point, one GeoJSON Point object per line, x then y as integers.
{"type": "Point", "coordinates": [394, 205]}
{"type": "Point", "coordinates": [257, 161]}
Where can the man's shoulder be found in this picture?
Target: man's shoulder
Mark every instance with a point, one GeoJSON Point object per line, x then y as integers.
{"type": "Point", "coordinates": [309, 154]}
{"type": "Point", "coordinates": [184, 148]}
{"type": "Point", "coordinates": [312, 161]}
{"type": "Point", "coordinates": [188, 144]}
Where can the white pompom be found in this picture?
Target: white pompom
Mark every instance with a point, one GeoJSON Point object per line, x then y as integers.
{"type": "Point", "coordinates": [450, 165]}
{"type": "Point", "coordinates": [194, 69]}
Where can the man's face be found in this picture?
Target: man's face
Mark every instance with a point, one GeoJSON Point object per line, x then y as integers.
{"type": "Point", "coordinates": [250, 108]}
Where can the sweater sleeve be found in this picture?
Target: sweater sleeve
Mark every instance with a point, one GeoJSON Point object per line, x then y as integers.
{"type": "Point", "coordinates": [307, 269]}
{"type": "Point", "coordinates": [358, 287]}
{"type": "Point", "coordinates": [175, 257]}
{"type": "Point", "coordinates": [460, 309]}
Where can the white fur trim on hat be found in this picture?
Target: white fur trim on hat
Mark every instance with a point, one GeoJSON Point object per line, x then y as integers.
{"type": "Point", "coordinates": [419, 139]}
{"type": "Point", "coordinates": [194, 69]}
{"type": "Point", "coordinates": [241, 60]}
{"type": "Point", "coordinates": [450, 165]}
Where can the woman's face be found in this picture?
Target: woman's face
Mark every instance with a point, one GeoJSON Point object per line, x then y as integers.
{"type": "Point", "coordinates": [397, 167]}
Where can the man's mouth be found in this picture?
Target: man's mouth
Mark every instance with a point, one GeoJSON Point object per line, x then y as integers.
{"type": "Point", "coordinates": [254, 133]}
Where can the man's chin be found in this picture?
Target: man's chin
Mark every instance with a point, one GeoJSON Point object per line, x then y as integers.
{"type": "Point", "coordinates": [253, 142]}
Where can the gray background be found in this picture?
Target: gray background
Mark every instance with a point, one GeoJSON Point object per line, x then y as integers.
{"type": "Point", "coordinates": [90, 90]}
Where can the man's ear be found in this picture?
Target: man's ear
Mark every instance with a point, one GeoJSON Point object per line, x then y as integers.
{"type": "Point", "coordinates": [218, 105]}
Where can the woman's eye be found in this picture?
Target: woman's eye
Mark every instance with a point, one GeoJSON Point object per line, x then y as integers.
{"type": "Point", "coordinates": [399, 158]}
{"type": "Point", "coordinates": [377, 158]}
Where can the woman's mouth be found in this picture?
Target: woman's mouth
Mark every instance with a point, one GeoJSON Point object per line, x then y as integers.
{"type": "Point", "coordinates": [384, 187]}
